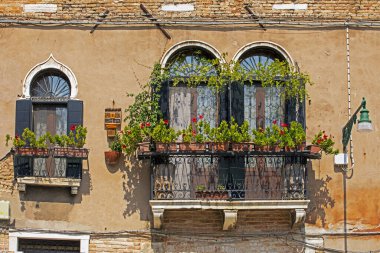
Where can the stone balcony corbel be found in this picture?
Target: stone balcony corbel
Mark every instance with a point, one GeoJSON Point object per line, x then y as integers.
{"type": "Point", "coordinates": [230, 209]}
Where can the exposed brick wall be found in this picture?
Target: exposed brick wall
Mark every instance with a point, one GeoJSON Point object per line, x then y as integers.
{"type": "Point", "coordinates": [4, 241]}
{"type": "Point", "coordinates": [204, 9]}
{"type": "Point", "coordinates": [7, 175]}
{"type": "Point", "coordinates": [201, 231]}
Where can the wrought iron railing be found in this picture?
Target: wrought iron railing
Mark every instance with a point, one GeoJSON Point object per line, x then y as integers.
{"type": "Point", "coordinates": [51, 165]}
{"type": "Point", "coordinates": [249, 176]}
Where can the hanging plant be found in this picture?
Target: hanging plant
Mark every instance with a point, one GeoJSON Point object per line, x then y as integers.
{"type": "Point", "coordinates": [283, 76]}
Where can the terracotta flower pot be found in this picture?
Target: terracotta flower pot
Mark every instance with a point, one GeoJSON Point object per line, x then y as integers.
{"type": "Point", "coordinates": [112, 157]}
{"type": "Point", "coordinates": [183, 146]}
{"type": "Point", "coordinates": [144, 147]}
{"type": "Point", "coordinates": [242, 147]}
{"type": "Point", "coordinates": [220, 146]}
{"type": "Point", "coordinates": [313, 148]}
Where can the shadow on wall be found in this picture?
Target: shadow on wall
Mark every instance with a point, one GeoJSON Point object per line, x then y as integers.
{"type": "Point", "coordinates": [319, 195]}
{"type": "Point", "coordinates": [136, 185]}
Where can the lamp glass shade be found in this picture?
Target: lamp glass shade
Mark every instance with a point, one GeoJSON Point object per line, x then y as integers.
{"type": "Point", "coordinates": [365, 126]}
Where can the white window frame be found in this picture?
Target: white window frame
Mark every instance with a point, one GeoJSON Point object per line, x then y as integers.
{"type": "Point", "coordinates": [14, 236]}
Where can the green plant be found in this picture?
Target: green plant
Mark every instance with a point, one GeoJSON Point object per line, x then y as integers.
{"type": "Point", "coordinates": [284, 76]}
{"type": "Point", "coordinates": [325, 142]}
{"type": "Point", "coordinates": [220, 187]}
{"type": "Point", "coordinates": [297, 133]}
{"type": "Point", "coordinates": [286, 139]}
{"type": "Point", "coordinates": [163, 133]}
{"type": "Point", "coordinates": [260, 137]}
{"type": "Point", "coordinates": [200, 187]}
{"type": "Point", "coordinates": [80, 136]}
{"type": "Point", "coordinates": [130, 137]}
{"type": "Point", "coordinates": [17, 141]}
{"type": "Point", "coordinates": [116, 144]}
{"type": "Point", "coordinates": [220, 133]}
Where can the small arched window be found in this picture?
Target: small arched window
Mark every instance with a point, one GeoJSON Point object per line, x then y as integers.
{"type": "Point", "coordinates": [180, 103]}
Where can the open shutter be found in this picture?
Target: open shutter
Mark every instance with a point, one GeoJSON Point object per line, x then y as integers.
{"type": "Point", "coordinates": [74, 113]}
{"type": "Point", "coordinates": [23, 115]}
{"type": "Point", "coordinates": [237, 102]}
{"type": "Point", "coordinates": [164, 99]}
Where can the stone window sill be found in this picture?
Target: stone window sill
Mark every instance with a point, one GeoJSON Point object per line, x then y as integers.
{"type": "Point", "coordinates": [72, 183]}
{"type": "Point", "coordinates": [230, 208]}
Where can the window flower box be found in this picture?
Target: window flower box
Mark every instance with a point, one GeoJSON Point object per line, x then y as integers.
{"type": "Point", "coordinates": [32, 152]}
{"type": "Point", "coordinates": [70, 152]}
{"type": "Point", "coordinates": [242, 146]}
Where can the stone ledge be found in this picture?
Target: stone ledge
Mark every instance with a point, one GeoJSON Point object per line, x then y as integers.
{"type": "Point", "coordinates": [230, 208]}
{"type": "Point", "coordinates": [74, 184]}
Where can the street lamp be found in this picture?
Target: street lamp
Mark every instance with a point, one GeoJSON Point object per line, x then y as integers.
{"type": "Point", "coordinates": [364, 124]}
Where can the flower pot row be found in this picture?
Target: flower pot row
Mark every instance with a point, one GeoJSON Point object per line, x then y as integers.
{"type": "Point", "coordinates": [221, 147]}
{"type": "Point", "coordinates": [64, 152]}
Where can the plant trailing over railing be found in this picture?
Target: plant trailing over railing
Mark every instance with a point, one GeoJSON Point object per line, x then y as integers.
{"type": "Point", "coordinates": [218, 73]}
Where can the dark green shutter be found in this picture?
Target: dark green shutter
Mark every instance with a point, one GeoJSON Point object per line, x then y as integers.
{"type": "Point", "coordinates": [164, 100]}
{"type": "Point", "coordinates": [237, 102]}
{"type": "Point", "coordinates": [23, 115]}
{"type": "Point", "coordinates": [74, 113]}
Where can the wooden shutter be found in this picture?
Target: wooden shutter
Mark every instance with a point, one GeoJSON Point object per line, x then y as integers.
{"type": "Point", "coordinates": [237, 102]}
{"type": "Point", "coordinates": [23, 115]}
{"type": "Point", "coordinates": [74, 113]}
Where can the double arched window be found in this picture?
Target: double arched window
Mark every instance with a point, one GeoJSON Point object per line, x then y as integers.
{"type": "Point", "coordinates": [249, 101]}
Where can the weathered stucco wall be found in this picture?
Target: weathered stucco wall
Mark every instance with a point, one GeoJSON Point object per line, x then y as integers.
{"type": "Point", "coordinates": [109, 63]}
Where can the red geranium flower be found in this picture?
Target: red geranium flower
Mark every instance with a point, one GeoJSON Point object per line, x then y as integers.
{"type": "Point", "coordinates": [124, 146]}
{"type": "Point", "coordinates": [274, 122]}
{"type": "Point", "coordinates": [194, 120]}
{"type": "Point", "coordinates": [142, 125]}
{"type": "Point", "coordinates": [147, 124]}
{"type": "Point", "coordinates": [201, 116]}
{"type": "Point", "coordinates": [129, 132]}
{"type": "Point", "coordinates": [166, 121]}
{"type": "Point", "coordinates": [16, 137]}
{"type": "Point", "coordinates": [282, 132]}
{"type": "Point", "coordinates": [284, 125]}
{"type": "Point", "coordinates": [72, 127]}
{"type": "Point", "coordinates": [325, 137]}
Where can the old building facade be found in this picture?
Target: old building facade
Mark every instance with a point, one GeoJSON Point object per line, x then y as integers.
{"type": "Point", "coordinates": [98, 51]}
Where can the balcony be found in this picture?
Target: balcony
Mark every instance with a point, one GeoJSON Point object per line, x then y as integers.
{"type": "Point", "coordinates": [229, 181]}
{"type": "Point", "coordinates": [51, 167]}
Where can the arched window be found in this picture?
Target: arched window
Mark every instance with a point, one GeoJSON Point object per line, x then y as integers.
{"type": "Point", "coordinates": [258, 105]}
{"type": "Point", "coordinates": [180, 103]}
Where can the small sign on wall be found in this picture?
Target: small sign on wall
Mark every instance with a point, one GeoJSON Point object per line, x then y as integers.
{"type": "Point", "coordinates": [112, 121]}
{"type": "Point", "coordinates": [4, 210]}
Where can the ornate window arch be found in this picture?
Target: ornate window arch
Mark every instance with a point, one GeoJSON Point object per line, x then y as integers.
{"type": "Point", "coordinates": [51, 65]}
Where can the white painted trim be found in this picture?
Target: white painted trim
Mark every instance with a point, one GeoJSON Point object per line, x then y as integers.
{"type": "Point", "coordinates": [14, 235]}
{"type": "Point", "coordinates": [289, 6]}
{"type": "Point", "coordinates": [177, 7]}
{"type": "Point", "coordinates": [190, 43]}
{"type": "Point", "coordinates": [264, 44]}
{"type": "Point", "coordinates": [50, 63]}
